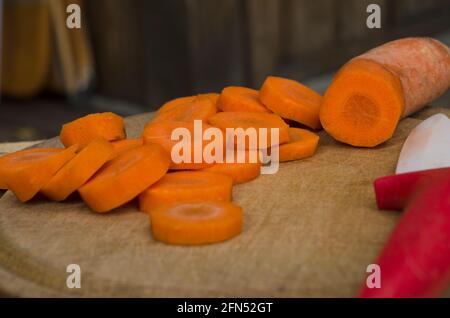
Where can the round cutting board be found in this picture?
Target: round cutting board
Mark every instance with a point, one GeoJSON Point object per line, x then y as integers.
{"type": "Point", "coordinates": [309, 230]}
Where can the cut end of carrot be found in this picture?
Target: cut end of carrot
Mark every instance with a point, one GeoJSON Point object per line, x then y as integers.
{"type": "Point", "coordinates": [186, 186]}
{"type": "Point", "coordinates": [291, 100]}
{"type": "Point", "coordinates": [363, 104]}
{"type": "Point", "coordinates": [241, 99]}
{"type": "Point", "coordinates": [196, 223]}
{"type": "Point", "coordinates": [82, 131]}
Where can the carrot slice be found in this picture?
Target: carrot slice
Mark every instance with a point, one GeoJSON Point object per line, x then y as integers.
{"type": "Point", "coordinates": [16, 159]}
{"type": "Point", "coordinates": [291, 100]}
{"type": "Point", "coordinates": [120, 146]}
{"type": "Point", "coordinates": [124, 177]}
{"type": "Point", "coordinates": [303, 144]}
{"type": "Point", "coordinates": [186, 186]}
{"type": "Point", "coordinates": [196, 223]}
{"type": "Point", "coordinates": [160, 133]}
{"type": "Point", "coordinates": [101, 125]}
{"type": "Point", "coordinates": [187, 109]}
{"type": "Point", "coordinates": [75, 173]}
{"type": "Point", "coordinates": [29, 171]}
{"type": "Point", "coordinates": [240, 99]}
{"type": "Point", "coordinates": [240, 172]}
{"type": "Point", "coordinates": [257, 121]}
{"type": "Point", "coordinates": [174, 103]}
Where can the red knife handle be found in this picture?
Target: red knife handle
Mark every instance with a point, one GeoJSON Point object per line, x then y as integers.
{"type": "Point", "coordinates": [395, 192]}
{"type": "Point", "coordinates": [415, 262]}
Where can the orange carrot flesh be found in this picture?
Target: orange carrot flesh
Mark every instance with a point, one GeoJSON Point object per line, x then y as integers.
{"type": "Point", "coordinates": [161, 132]}
{"type": "Point", "coordinates": [291, 100]}
{"type": "Point", "coordinates": [363, 104]}
{"type": "Point", "coordinates": [302, 144]}
{"type": "Point", "coordinates": [3, 185]}
{"type": "Point", "coordinates": [78, 170]}
{"type": "Point", "coordinates": [240, 99]}
{"type": "Point", "coordinates": [186, 186]}
{"type": "Point", "coordinates": [213, 98]}
{"type": "Point", "coordinates": [187, 110]}
{"type": "Point", "coordinates": [84, 130]}
{"type": "Point", "coordinates": [123, 178]}
{"type": "Point", "coordinates": [174, 103]}
{"type": "Point", "coordinates": [11, 162]}
{"type": "Point", "coordinates": [257, 121]}
{"type": "Point", "coordinates": [29, 172]}
{"type": "Point", "coordinates": [196, 223]}
{"type": "Point", "coordinates": [120, 146]}
{"type": "Point", "coordinates": [240, 172]}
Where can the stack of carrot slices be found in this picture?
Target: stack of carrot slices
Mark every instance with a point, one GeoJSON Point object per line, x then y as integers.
{"type": "Point", "coordinates": [189, 203]}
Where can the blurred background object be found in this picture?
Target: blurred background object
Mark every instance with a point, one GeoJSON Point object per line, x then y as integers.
{"type": "Point", "coordinates": [131, 56]}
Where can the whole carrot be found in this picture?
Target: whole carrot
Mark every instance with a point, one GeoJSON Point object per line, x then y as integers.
{"type": "Point", "coordinates": [373, 91]}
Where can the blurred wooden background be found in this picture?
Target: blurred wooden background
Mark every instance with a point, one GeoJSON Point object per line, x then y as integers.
{"type": "Point", "coordinates": [150, 51]}
{"type": "Point", "coordinates": [147, 52]}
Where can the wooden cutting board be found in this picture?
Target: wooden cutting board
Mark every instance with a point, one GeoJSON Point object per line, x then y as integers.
{"type": "Point", "coordinates": [309, 230]}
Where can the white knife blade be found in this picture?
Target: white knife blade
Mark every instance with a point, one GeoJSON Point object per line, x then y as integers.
{"type": "Point", "coordinates": [427, 146]}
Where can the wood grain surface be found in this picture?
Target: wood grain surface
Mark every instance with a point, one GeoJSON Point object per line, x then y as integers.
{"type": "Point", "coordinates": [309, 230]}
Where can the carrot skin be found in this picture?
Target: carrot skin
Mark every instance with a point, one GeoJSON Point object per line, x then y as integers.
{"type": "Point", "coordinates": [421, 64]}
{"type": "Point", "coordinates": [415, 262]}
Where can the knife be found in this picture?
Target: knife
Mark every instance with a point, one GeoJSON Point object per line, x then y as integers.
{"type": "Point", "coordinates": [415, 262]}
